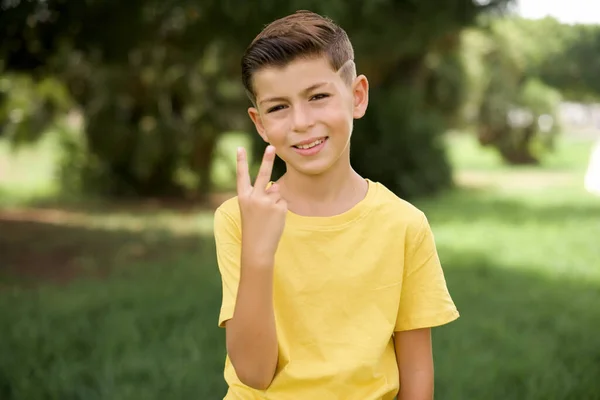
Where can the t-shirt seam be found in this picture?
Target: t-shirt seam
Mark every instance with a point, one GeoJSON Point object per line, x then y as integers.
{"type": "Point", "coordinates": [416, 321]}
{"type": "Point", "coordinates": [420, 233]}
{"type": "Point", "coordinates": [325, 228]}
{"type": "Point", "coordinates": [410, 252]}
{"type": "Point", "coordinates": [227, 308]}
{"type": "Point", "coordinates": [307, 227]}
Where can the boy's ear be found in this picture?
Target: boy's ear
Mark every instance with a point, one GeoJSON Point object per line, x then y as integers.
{"type": "Point", "coordinates": [255, 117]}
{"type": "Point", "coordinates": [360, 93]}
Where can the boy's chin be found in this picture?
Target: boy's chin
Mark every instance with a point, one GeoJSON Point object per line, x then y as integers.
{"type": "Point", "coordinates": [312, 168]}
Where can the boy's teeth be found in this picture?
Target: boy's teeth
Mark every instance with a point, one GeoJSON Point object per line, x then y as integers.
{"type": "Point", "coordinates": [308, 146]}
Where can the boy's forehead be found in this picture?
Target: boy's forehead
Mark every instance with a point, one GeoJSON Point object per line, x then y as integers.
{"type": "Point", "coordinates": [295, 76]}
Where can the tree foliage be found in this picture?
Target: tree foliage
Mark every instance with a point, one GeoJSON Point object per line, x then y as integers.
{"type": "Point", "coordinates": [28, 106]}
{"type": "Point", "coordinates": [511, 106]}
{"type": "Point", "coordinates": [158, 82]}
{"type": "Point", "coordinates": [572, 61]}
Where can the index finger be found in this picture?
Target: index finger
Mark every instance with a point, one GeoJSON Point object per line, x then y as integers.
{"type": "Point", "coordinates": [266, 168]}
{"type": "Point", "coordinates": [243, 177]}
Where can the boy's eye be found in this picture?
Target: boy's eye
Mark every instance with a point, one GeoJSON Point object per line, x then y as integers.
{"type": "Point", "coordinates": [275, 108]}
{"type": "Point", "coordinates": [319, 96]}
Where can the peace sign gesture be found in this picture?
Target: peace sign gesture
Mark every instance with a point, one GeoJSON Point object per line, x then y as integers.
{"type": "Point", "coordinates": [263, 210]}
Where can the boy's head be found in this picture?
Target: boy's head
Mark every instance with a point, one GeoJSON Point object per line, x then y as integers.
{"type": "Point", "coordinates": [300, 35]}
{"type": "Point", "coordinates": [300, 75]}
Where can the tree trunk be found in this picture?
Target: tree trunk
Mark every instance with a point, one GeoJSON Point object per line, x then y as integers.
{"type": "Point", "coordinates": [202, 161]}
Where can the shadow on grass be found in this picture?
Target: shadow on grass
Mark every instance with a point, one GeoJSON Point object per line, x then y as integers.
{"type": "Point", "coordinates": [520, 336]}
{"type": "Point", "coordinates": [60, 244]}
{"type": "Point", "coordinates": [146, 330]}
{"type": "Point", "coordinates": [95, 205]}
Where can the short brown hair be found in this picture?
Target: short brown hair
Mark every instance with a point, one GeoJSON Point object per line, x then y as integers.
{"type": "Point", "coordinates": [303, 34]}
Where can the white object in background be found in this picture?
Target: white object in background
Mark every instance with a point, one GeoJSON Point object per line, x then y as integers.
{"type": "Point", "coordinates": [592, 176]}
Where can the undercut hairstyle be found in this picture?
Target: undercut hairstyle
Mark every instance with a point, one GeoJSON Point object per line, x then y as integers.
{"type": "Point", "coordinates": [301, 35]}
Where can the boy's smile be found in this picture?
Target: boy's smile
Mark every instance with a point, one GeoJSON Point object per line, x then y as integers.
{"type": "Point", "coordinates": [311, 146]}
{"type": "Point", "coordinates": [306, 110]}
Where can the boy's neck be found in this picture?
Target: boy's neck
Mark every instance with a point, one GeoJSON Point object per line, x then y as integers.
{"type": "Point", "coordinates": [331, 193]}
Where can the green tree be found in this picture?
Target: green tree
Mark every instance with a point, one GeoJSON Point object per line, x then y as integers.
{"type": "Point", "coordinates": [512, 108]}
{"type": "Point", "coordinates": [156, 88]}
{"type": "Point", "coordinates": [28, 106]}
{"type": "Point", "coordinates": [157, 82]}
{"type": "Point", "coordinates": [573, 62]}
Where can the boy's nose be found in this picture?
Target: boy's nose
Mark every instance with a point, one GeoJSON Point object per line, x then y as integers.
{"type": "Point", "coordinates": [302, 119]}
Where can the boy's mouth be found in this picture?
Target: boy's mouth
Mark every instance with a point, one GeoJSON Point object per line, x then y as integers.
{"type": "Point", "coordinates": [308, 145]}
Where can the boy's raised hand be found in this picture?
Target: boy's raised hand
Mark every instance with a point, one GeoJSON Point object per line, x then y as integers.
{"type": "Point", "coordinates": [263, 210]}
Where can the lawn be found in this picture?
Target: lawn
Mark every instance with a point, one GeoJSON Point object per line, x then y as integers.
{"type": "Point", "coordinates": [519, 247]}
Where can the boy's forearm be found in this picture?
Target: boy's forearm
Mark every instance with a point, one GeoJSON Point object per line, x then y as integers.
{"type": "Point", "coordinates": [251, 336]}
{"type": "Point", "coordinates": [415, 363]}
{"type": "Point", "coordinates": [416, 385]}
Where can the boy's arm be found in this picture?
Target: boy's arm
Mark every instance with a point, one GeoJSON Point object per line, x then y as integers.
{"type": "Point", "coordinates": [424, 303]}
{"type": "Point", "coordinates": [246, 309]}
{"type": "Point", "coordinates": [415, 363]}
{"type": "Point", "coordinates": [250, 334]}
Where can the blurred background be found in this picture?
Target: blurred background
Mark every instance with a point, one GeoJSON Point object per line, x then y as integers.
{"type": "Point", "coordinates": [118, 127]}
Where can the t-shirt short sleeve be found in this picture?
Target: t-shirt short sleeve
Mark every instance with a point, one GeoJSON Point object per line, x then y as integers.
{"type": "Point", "coordinates": [425, 300]}
{"type": "Point", "coordinates": [228, 249]}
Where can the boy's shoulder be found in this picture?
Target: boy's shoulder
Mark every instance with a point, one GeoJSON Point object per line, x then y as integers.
{"type": "Point", "coordinates": [395, 209]}
{"type": "Point", "coordinates": [229, 208]}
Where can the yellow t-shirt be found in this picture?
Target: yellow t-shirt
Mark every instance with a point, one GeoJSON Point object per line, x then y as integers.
{"type": "Point", "coordinates": [342, 286]}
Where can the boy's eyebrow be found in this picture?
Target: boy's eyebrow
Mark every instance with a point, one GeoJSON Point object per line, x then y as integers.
{"type": "Point", "coordinates": [308, 89]}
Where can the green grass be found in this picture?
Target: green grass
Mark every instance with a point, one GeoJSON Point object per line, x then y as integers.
{"type": "Point", "coordinates": [466, 153]}
{"type": "Point", "coordinates": [519, 248]}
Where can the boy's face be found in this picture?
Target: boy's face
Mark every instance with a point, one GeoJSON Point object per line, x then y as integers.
{"type": "Point", "coordinates": [306, 111]}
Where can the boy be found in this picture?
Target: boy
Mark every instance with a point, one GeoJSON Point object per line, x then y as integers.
{"type": "Point", "coordinates": [331, 283]}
